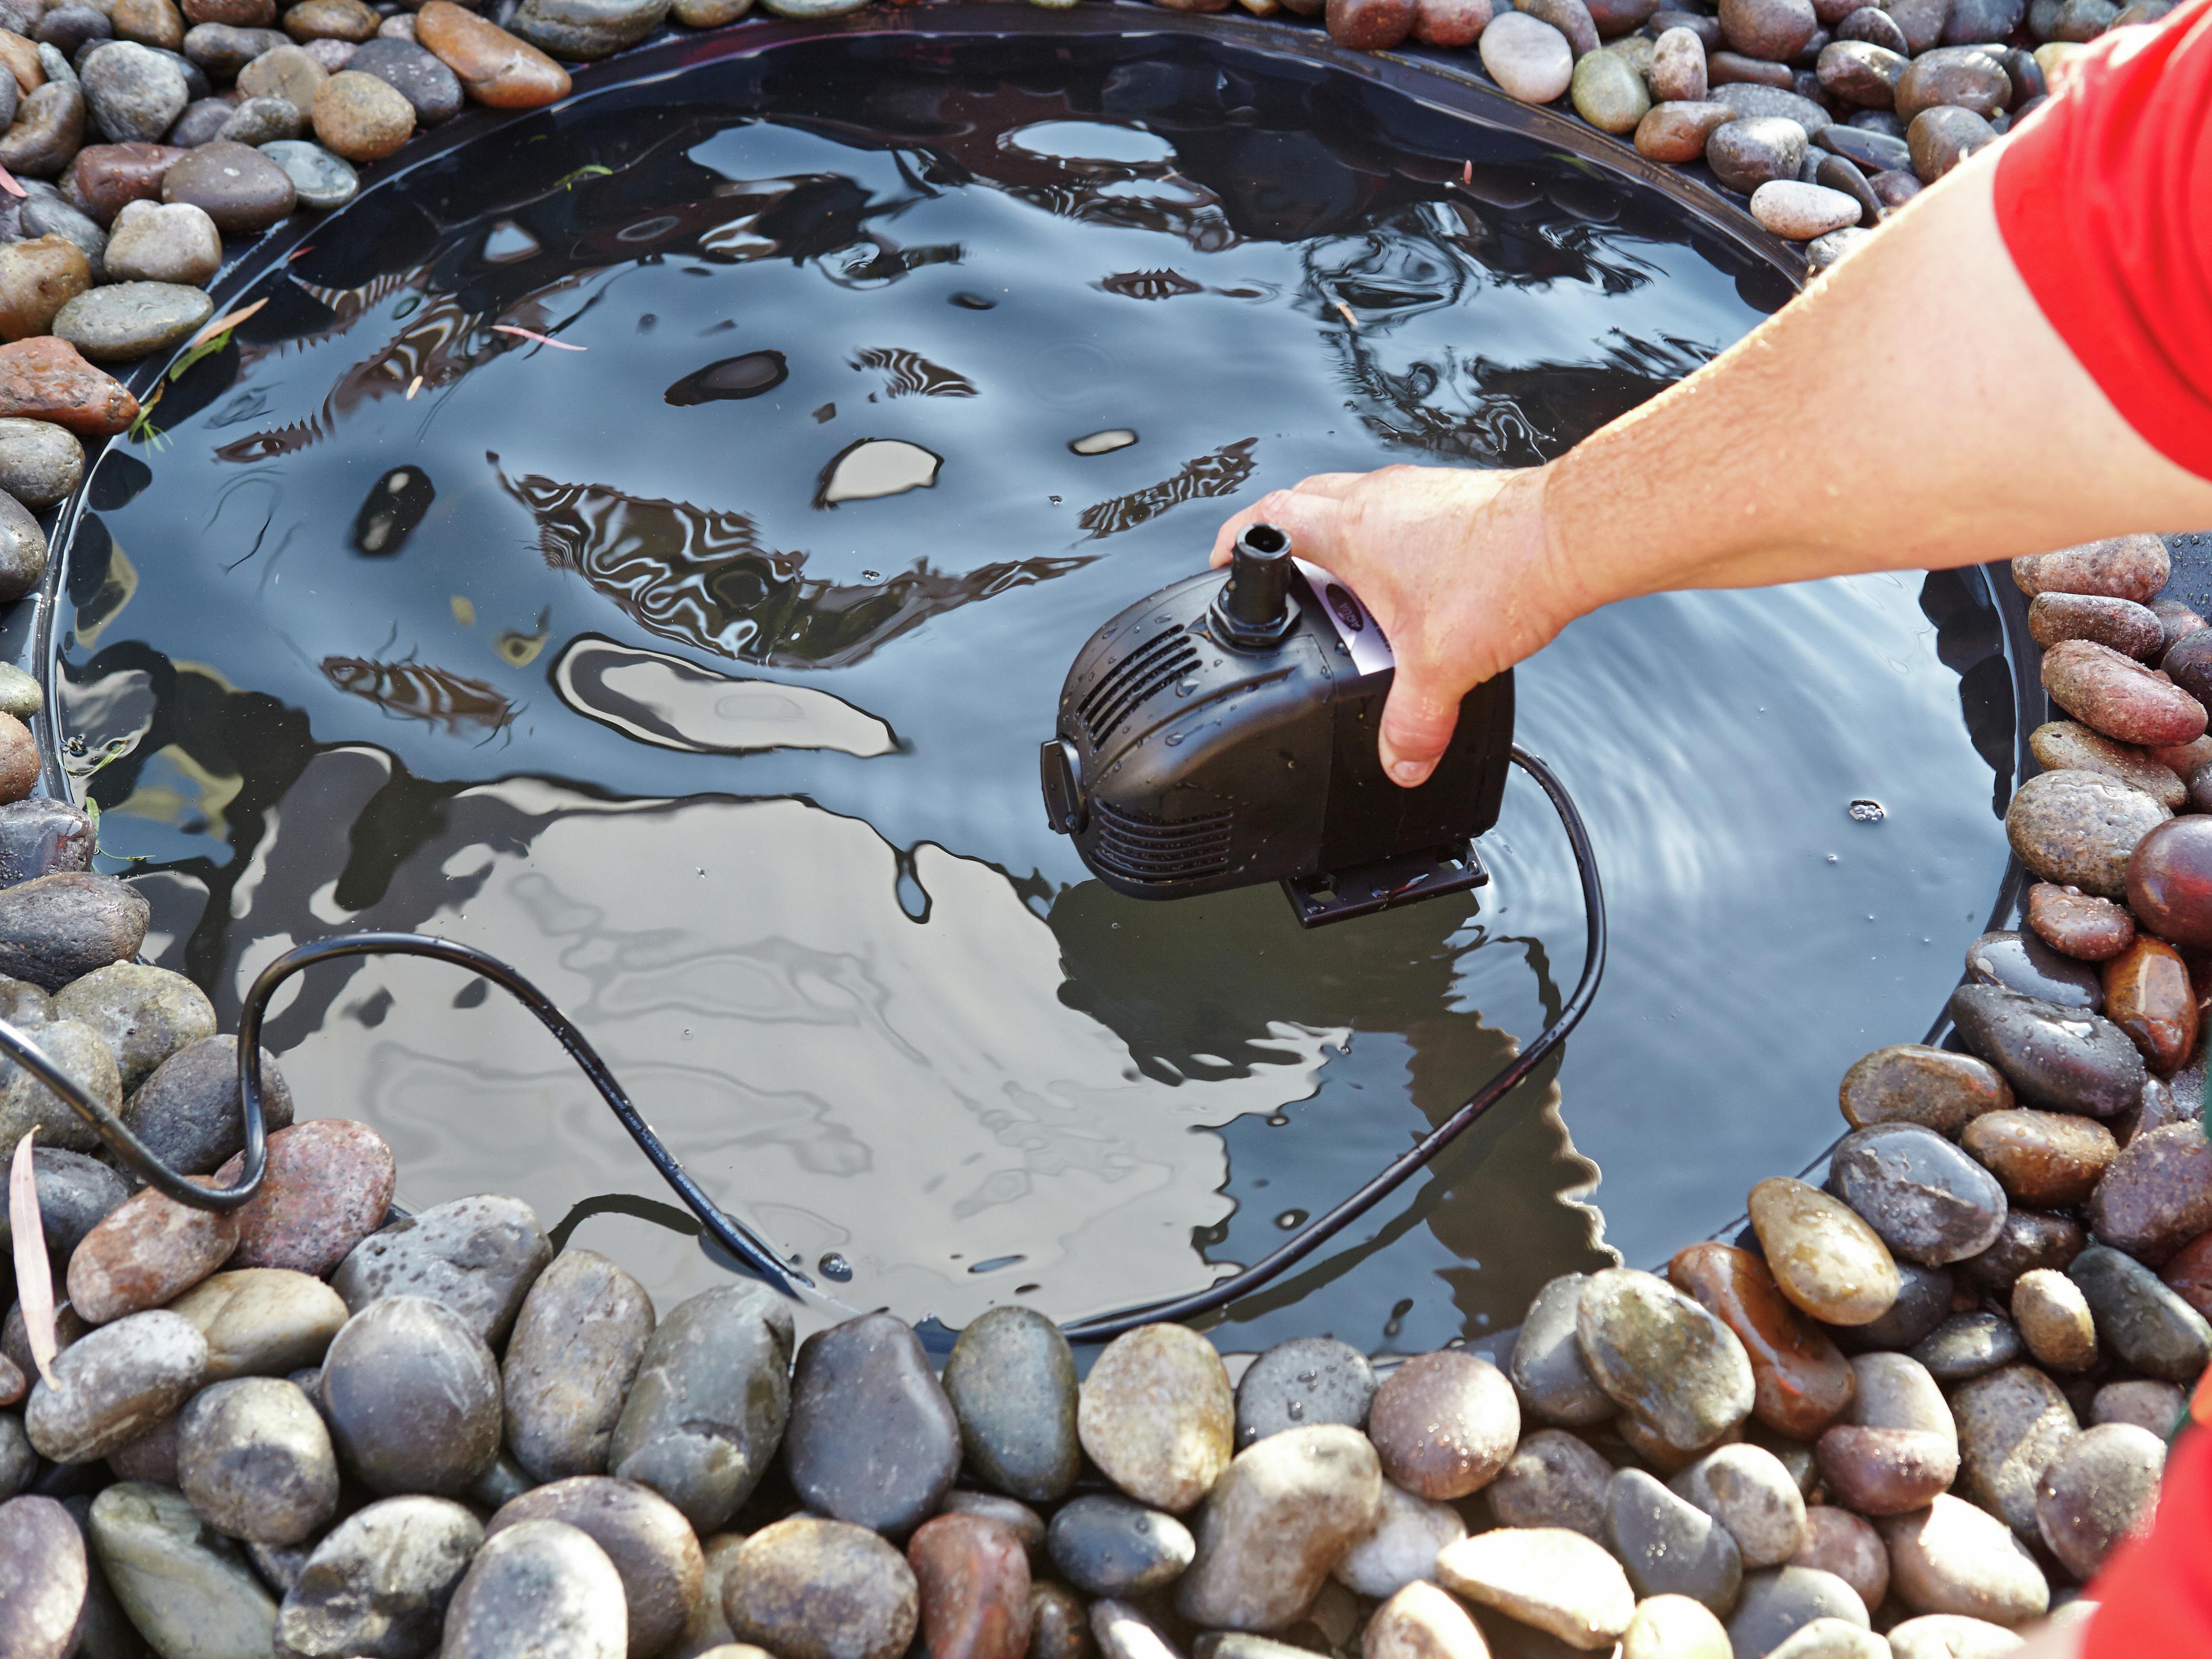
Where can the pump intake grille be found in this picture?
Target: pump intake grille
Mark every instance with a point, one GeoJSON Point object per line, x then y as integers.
{"type": "Point", "coordinates": [1152, 667]}
{"type": "Point", "coordinates": [1163, 852]}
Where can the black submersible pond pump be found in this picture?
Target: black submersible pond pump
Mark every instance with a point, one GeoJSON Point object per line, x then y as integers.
{"type": "Point", "coordinates": [1221, 734]}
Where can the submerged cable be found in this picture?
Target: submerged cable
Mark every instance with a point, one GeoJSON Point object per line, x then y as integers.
{"type": "Point", "coordinates": [732, 1234]}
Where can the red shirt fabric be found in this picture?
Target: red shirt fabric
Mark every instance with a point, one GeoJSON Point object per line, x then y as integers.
{"type": "Point", "coordinates": [2104, 198]}
{"type": "Point", "coordinates": [2155, 1595]}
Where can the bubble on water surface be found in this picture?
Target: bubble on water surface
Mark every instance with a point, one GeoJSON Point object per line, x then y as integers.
{"type": "Point", "coordinates": [834, 1266]}
{"type": "Point", "coordinates": [1867, 812]}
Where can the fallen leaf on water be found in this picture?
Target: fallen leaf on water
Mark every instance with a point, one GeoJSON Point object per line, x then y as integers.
{"type": "Point", "coordinates": [224, 324]}
{"type": "Point", "coordinates": [1348, 317]}
{"type": "Point", "coordinates": [34, 1275]}
{"type": "Point", "coordinates": [414, 386]}
{"type": "Point", "coordinates": [531, 334]}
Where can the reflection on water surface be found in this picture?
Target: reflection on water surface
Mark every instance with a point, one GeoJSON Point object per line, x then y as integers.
{"type": "Point", "coordinates": [700, 672]}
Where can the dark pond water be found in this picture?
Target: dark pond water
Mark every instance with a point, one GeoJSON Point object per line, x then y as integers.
{"type": "Point", "coordinates": [700, 672]}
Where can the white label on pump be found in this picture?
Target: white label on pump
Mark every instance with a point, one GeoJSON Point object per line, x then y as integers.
{"type": "Point", "coordinates": [1357, 630]}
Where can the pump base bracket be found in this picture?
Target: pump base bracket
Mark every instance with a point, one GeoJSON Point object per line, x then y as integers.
{"type": "Point", "coordinates": [1363, 888]}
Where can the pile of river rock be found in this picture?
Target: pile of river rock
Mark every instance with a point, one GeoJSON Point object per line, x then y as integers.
{"type": "Point", "coordinates": [1905, 1415]}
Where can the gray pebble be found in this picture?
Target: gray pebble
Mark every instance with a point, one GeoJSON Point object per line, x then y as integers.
{"type": "Point", "coordinates": [2011, 1425]}
{"type": "Point", "coordinates": [143, 1014]}
{"type": "Point", "coordinates": [412, 1396]}
{"type": "Point", "coordinates": [574, 1352]}
{"type": "Point", "coordinates": [707, 1412]}
{"type": "Point", "coordinates": [135, 93]}
{"type": "Point", "coordinates": [1546, 1363]}
{"type": "Point", "coordinates": [2139, 1318]}
{"type": "Point", "coordinates": [59, 927]}
{"type": "Point", "coordinates": [1665, 1357]}
{"type": "Point", "coordinates": [1112, 1547]}
{"type": "Point", "coordinates": [19, 695]}
{"type": "Point", "coordinates": [188, 1589]}
{"type": "Point", "coordinates": [1779, 1602]}
{"type": "Point", "coordinates": [377, 1586]}
{"type": "Point", "coordinates": [45, 213]}
{"type": "Point", "coordinates": [1017, 1518]}
{"type": "Point", "coordinates": [1282, 1515]}
{"type": "Point", "coordinates": [116, 1384]}
{"type": "Point", "coordinates": [1401, 1548]}
{"type": "Point", "coordinates": [1968, 1346]}
{"type": "Point", "coordinates": [2066, 1059]}
{"type": "Point", "coordinates": [2102, 1487]}
{"type": "Point", "coordinates": [651, 1546]}
{"type": "Point", "coordinates": [76, 1192]}
{"type": "Point", "coordinates": [322, 180]}
{"type": "Point", "coordinates": [43, 1579]}
{"type": "Point", "coordinates": [541, 1589]}
{"type": "Point", "coordinates": [124, 321]}
{"type": "Point", "coordinates": [256, 1461]}
{"type": "Point", "coordinates": [1552, 1479]}
{"type": "Point", "coordinates": [478, 1256]}
{"type": "Point", "coordinates": [18, 1463]}
{"type": "Point", "coordinates": [587, 28]}
{"type": "Point", "coordinates": [22, 562]}
{"type": "Point", "coordinates": [873, 1439]}
{"type": "Point", "coordinates": [203, 119]}
{"type": "Point", "coordinates": [1302, 1384]}
{"type": "Point", "coordinates": [27, 1103]}
{"type": "Point", "coordinates": [809, 1589]}
{"type": "Point", "coordinates": [1011, 1380]}
{"type": "Point", "coordinates": [419, 77]}
{"type": "Point", "coordinates": [258, 121]}
{"type": "Point", "coordinates": [1669, 1544]}
{"type": "Point", "coordinates": [189, 1112]}
{"type": "Point", "coordinates": [1752, 102]}
{"type": "Point", "coordinates": [1748, 1491]}
{"type": "Point", "coordinates": [1929, 1202]}
{"type": "Point", "coordinates": [40, 464]}
{"type": "Point", "coordinates": [1754, 150]}
{"type": "Point", "coordinates": [49, 127]}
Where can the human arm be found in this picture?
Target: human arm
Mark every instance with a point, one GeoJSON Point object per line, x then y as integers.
{"type": "Point", "coordinates": [1913, 410]}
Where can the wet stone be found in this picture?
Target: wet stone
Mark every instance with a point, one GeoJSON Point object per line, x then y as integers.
{"type": "Point", "coordinates": [144, 1014]}
{"type": "Point", "coordinates": [575, 1349]}
{"type": "Point", "coordinates": [38, 277]}
{"type": "Point", "coordinates": [323, 180]}
{"type": "Point", "coordinates": [412, 1396]}
{"type": "Point", "coordinates": [1156, 1416]}
{"type": "Point", "coordinates": [76, 1192]}
{"type": "Point", "coordinates": [873, 1439]}
{"type": "Point", "coordinates": [1873, 152]}
{"type": "Point", "coordinates": [1668, 1545]}
{"type": "Point", "coordinates": [1800, 1379]}
{"type": "Point", "coordinates": [2047, 1160]}
{"type": "Point", "coordinates": [2113, 694]}
{"type": "Point", "coordinates": [707, 1409]}
{"type": "Point", "coordinates": [2141, 1321]}
{"type": "Point", "coordinates": [18, 1463]}
{"type": "Point", "coordinates": [185, 1586]}
{"type": "Point", "coordinates": [1755, 150]}
{"type": "Point", "coordinates": [1954, 1558]}
{"type": "Point", "coordinates": [1422, 1622]}
{"type": "Point", "coordinates": [2100, 1489]}
{"type": "Point", "coordinates": [2023, 963]}
{"type": "Point", "coordinates": [63, 927]}
{"type": "Point", "coordinates": [1967, 1346]}
{"type": "Point", "coordinates": [1674, 1627]}
{"type": "Point", "coordinates": [152, 243]}
{"type": "Point", "coordinates": [1967, 81]}
{"type": "Point", "coordinates": [2011, 1424]}
{"type": "Point", "coordinates": [1838, 1541]}
{"type": "Point", "coordinates": [1911, 1083]}
{"type": "Point", "coordinates": [240, 189]}
{"type": "Point", "coordinates": [1678, 67]}
{"type": "Point", "coordinates": [2077, 829]}
{"type": "Point", "coordinates": [1780, 1602]}
{"type": "Point", "coordinates": [1059, 1624]}
{"type": "Point", "coordinates": [262, 1322]}
{"type": "Point", "coordinates": [1111, 1546]}
{"type": "Point", "coordinates": [1823, 1256]}
{"type": "Point", "coordinates": [43, 1579]}
{"type": "Point", "coordinates": [2169, 881]}
{"type": "Point", "coordinates": [1558, 1580]}
{"type": "Point", "coordinates": [256, 1462]}
{"type": "Point", "coordinates": [1608, 93]}
{"type": "Point", "coordinates": [2064, 1058]}
{"type": "Point", "coordinates": [223, 49]}
{"type": "Point", "coordinates": [1017, 1518]}
{"type": "Point", "coordinates": [361, 117]}
{"type": "Point", "coordinates": [1546, 1368]}
{"type": "Point", "coordinates": [2188, 1272]}
{"type": "Point", "coordinates": [1773, 29]}
{"type": "Point", "coordinates": [973, 1584]}
{"type": "Point", "coordinates": [149, 1249]}
{"type": "Point", "coordinates": [377, 1585]}
{"type": "Point", "coordinates": [808, 1588]}
{"type": "Point", "coordinates": [2030, 1239]}
{"type": "Point", "coordinates": [1281, 1515]}
{"type": "Point", "coordinates": [116, 1384]}
{"type": "Point", "coordinates": [27, 1103]}
{"type": "Point", "coordinates": [1941, 138]}
{"type": "Point", "coordinates": [2153, 1407]}
{"type": "Point", "coordinates": [1677, 132]}
{"type": "Point", "coordinates": [188, 1113]}
{"type": "Point", "coordinates": [149, 22]}
{"type": "Point", "coordinates": [1527, 56]}
{"type": "Point", "coordinates": [151, 1457]}
{"type": "Point", "coordinates": [478, 1256]}
{"type": "Point", "coordinates": [433, 89]}
{"type": "Point", "coordinates": [1898, 1446]}
{"type": "Point", "coordinates": [14, 1341]}
{"type": "Point", "coordinates": [258, 121]}
{"type": "Point", "coordinates": [1747, 1489]}
{"type": "Point", "coordinates": [1761, 102]}
{"type": "Point", "coordinates": [1928, 1200]}
{"type": "Point", "coordinates": [2053, 1318]}
{"type": "Point", "coordinates": [134, 92]}
{"type": "Point", "coordinates": [316, 20]}
{"type": "Point", "coordinates": [541, 1587]}
{"type": "Point", "coordinates": [71, 27]}
{"type": "Point", "coordinates": [19, 695]}
{"type": "Point", "coordinates": [284, 71]}
{"type": "Point", "coordinates": [494, 66]}
{"type": "Point", "coordinates": [2122, 567]}
{"type": "Point", "coordinates": [1401, 1546]}
{"type": "Point", "coordinates": [588, 28]}
{"type": "Point", "coordinates": [2157, 1194]}
{"type": "Point", "coordinates": [1799, 211]}
{"type": "Point", "coordinates": [1011, 1380]}
{"type": "Point", "coordinates": [2126, 627]}
{"type": "Point", "coordinates": [1552, 1479]}
{"type": "Point", "coordinates": [653, 1550]}
{"type": "Point", "coordinates": [48, 131]}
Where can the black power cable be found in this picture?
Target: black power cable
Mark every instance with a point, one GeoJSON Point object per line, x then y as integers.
{"type": "Point", "coordinates": [733, 1234]}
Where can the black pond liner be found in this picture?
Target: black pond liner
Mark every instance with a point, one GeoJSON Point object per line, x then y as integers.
{"type": "Point", "coordinates": [1981, 633]}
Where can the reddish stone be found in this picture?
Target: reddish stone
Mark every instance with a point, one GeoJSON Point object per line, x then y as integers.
{"type": "Point", "coordinates": [1838, 1541]}
{"type": "Point", "coordinates": [147, 1251]}
{"type": "Point", "coordinates": [1677, 132]}
{"type": "Point", "coordinates": [21, 57]}
{"type": "Point", "coordinates": [1370, 25]}
{"type": "Point", "coordinates": [2078, 924]}
{"type": "Point", "coordinates": [1801, 1378]}
{"type": "Point", "coordinates": [2188, 1273]}
{"type": "Point", "coordinates": [2044, 1158]}
{"type": "Point", "coordinates": [239, 13]}
{"type": "Point", "coordinates": [2170, 882]}
{"type": "Point", "coordinates": [1451, 22]}
{"type": "Point", "coordinates": [2148, 996]}
{"type": "Point", "coordinates": [973, 1579]}
{"type": "Point", "coordinates": [1886, 1471]}
{"type": "Point", "coordinates": [14, 1385]}
{"type": "Point", "coordinates": [496, 68]}
{"type": "Point", "coordinates": [106, 176]}
{"type": "Point", "coordinates": [329, 1186]}
{"type": "Point", "coordinates": [2157, 1196]}
{"type": "Point", "coordinates": [2113, 693]}
{"type": "Point", "coordinates": [2124, 568]}
{"type": "Point", "coordinates": [46, 379]}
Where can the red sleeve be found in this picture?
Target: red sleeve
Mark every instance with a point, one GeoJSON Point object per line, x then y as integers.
{"type": "Point", "coordinates": [2104, 198]}
{"type": "Point", "coordinates": [2155, 1595]}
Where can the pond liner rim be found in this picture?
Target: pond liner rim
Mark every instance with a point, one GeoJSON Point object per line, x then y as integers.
{"type": "Point", "coordinates": [1451, 83]}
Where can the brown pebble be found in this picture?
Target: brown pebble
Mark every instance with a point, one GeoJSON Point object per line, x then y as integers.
{"type": "Point", "coordinates": [1838, 1541]}
{"type": "Point", "coordinates": [2078, 924]}
{"type": "Point", "coordinates": [148, 1250]}
{"type": "Point", "coordinates": [1677, 132]}
{"type": "Point", "coordinates": [332, 20]}
{"type": "Point", "coordinates": [2058, 745]}
{"type": "Point", "coordinates": [2053, 1319]}
{"type": "Point", "coordinates": [2188, 1273]}
{"type": "Point", "coordinates": [329, 1186]}
{"type": "Point", "coordinates": [974, 1580]}
{"type": "Point", "coordinates": [2028, 1239]}
{"type": "Point", "coordinates": [2122, 567]}
{"type": "Point", "coordinates": [46, 380]}
{"type": "Point", "coordinates": [1444, 1424]}
{"type": "Point", "coordinates": [1898, 1446]}
{"type": "Point", "coordinates": [1059, 1624]}
{"type": "Point", "coordinates": [2047, 1160]}
{"type": "Point", "coordinates": [2121, 624]}
{"type": "Point", "coordinates": [494, 66]}
{"type": "Point", "coordinates": [1370, 25]}
{"type": "Point", "coordinates": [2148, 995]}
{"type": "Point", "coordinates": [2157, 1196]}
{"type": "Point", "coordinates": [38, 277]}
{"type": "Point", "coordinates": [2116, 694]}
{"type": "Point", "coordinates": [1451, 22]}
{"type": "Point", "coordinates": [149, 22]}
{"type": "Point", "coordinates": [361, 117]}
{"type": "Point", "coordinates": [1801, 1378]}
{"type": "Point", "coordinates": [1912, 1083]}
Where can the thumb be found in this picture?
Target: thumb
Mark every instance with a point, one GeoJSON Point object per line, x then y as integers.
{"type": "Point", "coordinates": [1418, 721]}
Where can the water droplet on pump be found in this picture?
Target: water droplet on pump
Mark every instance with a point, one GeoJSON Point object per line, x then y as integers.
{"type": "Point", "coordinates": [1296, 1410]}
{"type": "Point", "coordinates": [834, 1266]}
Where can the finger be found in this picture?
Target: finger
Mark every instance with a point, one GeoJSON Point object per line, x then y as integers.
{"type": "Point", "coordinates": [1336, 485]}
{"type": "Point", "coordinates": [1418, 721]}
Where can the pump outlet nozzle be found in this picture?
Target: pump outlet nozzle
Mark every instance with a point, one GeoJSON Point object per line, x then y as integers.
{"type": "Point", "coordinates": [1253, 609]}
